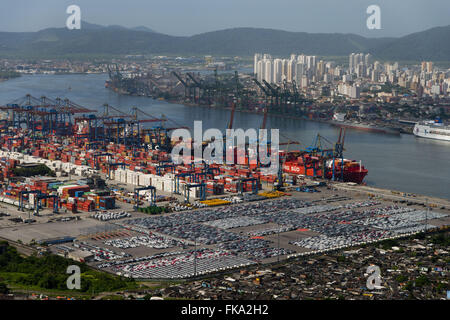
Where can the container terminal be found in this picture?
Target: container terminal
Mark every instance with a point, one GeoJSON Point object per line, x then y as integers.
{"type": "Point", "coordinates": [102, 189]}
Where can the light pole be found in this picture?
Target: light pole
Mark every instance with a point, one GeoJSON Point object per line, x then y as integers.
{"type": "Point", "coordinates": [195, 257]}
{"type": "Point", "coordinates": [278, 253]}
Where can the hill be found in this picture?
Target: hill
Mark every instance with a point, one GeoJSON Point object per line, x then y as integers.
{"type": "Point", "coordinates": [432, 44]}
{"type": "Point", "coordinates": [116, 40]}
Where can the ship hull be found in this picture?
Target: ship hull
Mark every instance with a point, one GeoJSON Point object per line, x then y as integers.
{"type": "Point", "coordinates": [355, 175]}
{"type": "Point", "coordinates": [431, 132]}
{"type": "Point", "coordinates": [365, 127]}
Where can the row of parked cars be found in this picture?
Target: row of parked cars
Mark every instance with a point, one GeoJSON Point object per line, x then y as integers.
{"type": "Point", "coordinates": [111, 215]}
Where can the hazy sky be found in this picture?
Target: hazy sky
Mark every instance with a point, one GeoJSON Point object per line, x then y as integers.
{"type": "Point", "coordinates": [188, 17]}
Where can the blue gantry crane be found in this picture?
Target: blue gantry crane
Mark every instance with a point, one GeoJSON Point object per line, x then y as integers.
{"type": "Point", "coordinates": [152, 196]}
{"type": "Point", "coordinates": [188, 186]}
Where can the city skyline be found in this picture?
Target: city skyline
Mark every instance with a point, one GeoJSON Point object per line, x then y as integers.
{"type": "Point", "coordinates": [304, 70]}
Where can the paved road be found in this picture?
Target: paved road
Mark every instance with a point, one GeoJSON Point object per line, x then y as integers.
{"type": "Point", "coordinates": [21, 248]}
{"type": "Point", "coordinates": [420, 199]}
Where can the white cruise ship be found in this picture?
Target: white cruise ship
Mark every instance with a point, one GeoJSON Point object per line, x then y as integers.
{"type": "Point", "coordinates": [433, 130]}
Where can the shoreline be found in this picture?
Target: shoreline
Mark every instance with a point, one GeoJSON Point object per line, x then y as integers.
{"type": "Point", "coordinates": [282, 116]}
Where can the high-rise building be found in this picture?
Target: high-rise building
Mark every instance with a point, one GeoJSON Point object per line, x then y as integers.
{"type": "Point", "coordinates": [291, 66]}
{"type": "Point", "coordinates": [311, 62]}
{"type": "Point", "coordinates": [436, 89]}
{"type": "Point", "coordinates": [354, 92]}
{"type": "Point", "coordinates": [360, 70]}
{"type": "Point", "coordinates": [368, 59]}
{"type": "Point", "coordinates": [268, 70]}
{"type": "Point", "coordinates": [301, 58]}
{"type": "Point", "coordinates": [284, 68]}
{"type": "Point", "coordinates": [320, 69]}
{"type": "Point", "coordinates": [377, 66]}
{"type": "Point", "coordinates": [260, 70]}
{"type": "Point", "coordinates": [328, 78]}
{"type": "Point", "coordinates": [424, 66]}
{"type": "Point", "coordinates": [257, 58]}
{"type": "Point", "coordinates": [299, 72]}
{"type": "Point", "coordinates": [277, 70]}
{"type": "Point", "coordinates": [347, 78]}
{"type": "Point", "coordinates": [374, 75]}
{"type": "Point", "coordinates": [351, 58]}
{"type": "Point", "coordinates": [305, 82]}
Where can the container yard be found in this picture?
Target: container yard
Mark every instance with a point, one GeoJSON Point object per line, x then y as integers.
{"type": "Point", "coordinates": [106, 187]}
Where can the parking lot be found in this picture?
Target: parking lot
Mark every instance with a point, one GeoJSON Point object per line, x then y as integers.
{"type": "Point", "coordinates": [196, 242]}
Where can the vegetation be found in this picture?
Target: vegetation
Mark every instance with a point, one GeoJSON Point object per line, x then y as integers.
{"type": "Point", "coordinates": [441, 239]}
{"type": "Point", "coordinates": [3, 288]}
{"type": "Point", "coordinates": [101, 41]}
{"type": "Point", "coordinates": [401, 278]}
{"type": "Point", "coordinates": [409, 286]}
{"type": "Point", "coordinates": [49, 272]}
{"type": "Point", "coordinates": [39, 170]}
{"type": "Point", "coordinates": [422, 281]}
{"type": "Point", "coordinates": [440, 287]}
{"type": "Point", "coordinates": [147, 296]}
{"type": "Point", "coordinates": [388, 244]}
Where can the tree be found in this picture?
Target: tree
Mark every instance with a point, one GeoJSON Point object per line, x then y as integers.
{"type": "Point", "coordinates": [422, 281]}
{"type": "Point", "coordinates": [3, 288]}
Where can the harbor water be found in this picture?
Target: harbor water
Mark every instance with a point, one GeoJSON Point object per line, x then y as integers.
{"type": "Point", "coordinates": [404, 163]}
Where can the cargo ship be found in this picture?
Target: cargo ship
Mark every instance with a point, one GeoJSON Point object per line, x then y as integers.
{"type": "Point", "coordinates": [317, 166]}
{"type": "Point", "coordinates": [432, 130]}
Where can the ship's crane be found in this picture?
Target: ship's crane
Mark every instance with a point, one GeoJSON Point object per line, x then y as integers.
{"type": "Point", "coordinates": [317, 149]}
{"type": "Point", "coordinates": [335, 151]}
{"type": "Point", "coordinates": [189, 88]}
{"type": "Point", "coordinates": [233, 108]}
{"type": "Point", "coordinates": [275, 93]}
{"type": "Point", "coordinates": [295, 94]}
{"type": "Point", "coordinates": [339, 152]}
{"type": "Point", "coordinates": [204, 90]}
{"type": "Point", "coordinates": [264, 123]}
{"type": "Point", "coordinates": [43, 115]}
{"type": "Point", "coordinates": [198, 85]}
{"type": "Point", "coordinates": [280, 184]}
{"type": "Point", "coordinates": [238, 88]}
{"type": "Point", "coordinates": [266, 92]}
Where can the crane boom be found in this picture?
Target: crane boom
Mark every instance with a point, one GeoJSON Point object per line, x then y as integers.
{"type": "Point", "coordinates": [233, 108]}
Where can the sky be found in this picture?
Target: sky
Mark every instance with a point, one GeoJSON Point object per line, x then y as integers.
{"type": "Point", "coordinates": [189, 17]}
